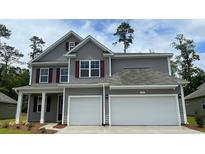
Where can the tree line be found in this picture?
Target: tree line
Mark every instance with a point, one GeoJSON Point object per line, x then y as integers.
{"type": "Point", "coordinates": [11, 76]}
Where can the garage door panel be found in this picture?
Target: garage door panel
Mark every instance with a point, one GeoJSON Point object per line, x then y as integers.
{"type": "Point", "coordinates": [85, 111]}
{"type": "Point", "coordinates": [141, 110]}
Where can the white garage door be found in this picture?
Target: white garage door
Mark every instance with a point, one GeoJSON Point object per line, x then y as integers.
{"type": "Point", "coordinates": [144, 110]}
{"type": "Point", "coordinates": [85, 110]}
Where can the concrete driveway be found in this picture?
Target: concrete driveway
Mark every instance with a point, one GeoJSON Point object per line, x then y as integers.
{"type": "Point", "coordinates": [127, 130]}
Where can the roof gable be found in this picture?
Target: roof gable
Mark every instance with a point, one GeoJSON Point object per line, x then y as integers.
{"type": "Point", "coordinates": [6, 99]}
{"type": "Point", "coordinates": [86, 40]}
{"type": "Point", "coordinates": [59, 41]}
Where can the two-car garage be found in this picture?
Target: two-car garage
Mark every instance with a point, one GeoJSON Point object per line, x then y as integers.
{"type": "Point", "coordinates": [124, 110]}
{"type": "Point", "coordinates": [144, 110]}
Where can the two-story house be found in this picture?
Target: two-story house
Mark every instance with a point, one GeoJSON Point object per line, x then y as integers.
{"type": "Point", "coordinates": [80, 81]}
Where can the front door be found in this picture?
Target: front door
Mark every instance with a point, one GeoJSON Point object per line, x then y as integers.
{"type": "Point", "coordinates": [60, 107]}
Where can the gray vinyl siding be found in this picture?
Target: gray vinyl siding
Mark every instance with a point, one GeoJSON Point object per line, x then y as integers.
{"type": "Point", "coordinates": [54, 72]}
{"type": "Point", "coordinates": [195, 105]}
{"type": "Point", "coordinates": [7, 110]}
{"type": "Point", "coordinates": [57, 53]}
{"type": "Point", "coordinates": [158, 64]}
{"type": "Point", "coordinates": [49, 116]}
{"type": "Point", "coordinates": [88, 52]}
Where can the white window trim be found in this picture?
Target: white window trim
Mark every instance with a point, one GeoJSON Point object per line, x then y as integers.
{"type": "Point", "coordinates": [89, 69]}
{"type": "Point", "coordinates": [43, 75]}
{"type": "Point", "coordinates": [70, 45]}
{"type": "Point", "coordinates": [63, 75]}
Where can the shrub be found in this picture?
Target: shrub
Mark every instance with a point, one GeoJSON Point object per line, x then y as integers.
{"type": "Point", "coordinates": [29, 125]}
{"type": "Point", "coordinates": [43, 130]}
{"type": "Point", "coordinates": [5, 125]}
{"type": "Point", "coordinates": [199, 120]}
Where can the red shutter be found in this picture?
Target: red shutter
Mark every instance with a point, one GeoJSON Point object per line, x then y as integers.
{"type": "Point", "coordinates": [102, 68]}
{"type": "Point", "coordinates": [35, 103]}
{"type": "Point", "coordinates": [66, 46]}
{"type": "Point", "coordinates": [77, 69]}
{"type": "Point", "coordinates": [37, 75]}
{"type": "Point", "coordinates": [57, 75]}
{"type": "Point", "coordinates": [48, 106]}
{"type": "Point", "coordinates": [50, 75]}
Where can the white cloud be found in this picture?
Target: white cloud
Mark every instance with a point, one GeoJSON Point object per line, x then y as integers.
{"type": "Point", "coordinates": [147, 33]}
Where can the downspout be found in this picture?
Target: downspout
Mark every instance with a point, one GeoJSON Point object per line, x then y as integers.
{"type": "Point", "coordinates": [103, 104]}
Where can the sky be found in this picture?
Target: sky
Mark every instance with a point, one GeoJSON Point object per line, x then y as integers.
{"type": "Point", "coordinates": [154, 35]}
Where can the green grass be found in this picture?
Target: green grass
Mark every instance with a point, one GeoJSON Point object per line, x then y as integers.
{"type": "Point", "coordinates": [12, 121]}
{"type": "Point", "coordinates": [22, 119]}
{"type": "Point", "coordinates": [191, 120]}
{"type": "Point", "coordinates": [12, 131]}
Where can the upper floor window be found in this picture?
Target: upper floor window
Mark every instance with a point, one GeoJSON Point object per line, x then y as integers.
{"type": "Point", "coordinates": [44, 75]}
{"type": "Point", "coordinates": [89, 68]}
{"type": "Point", "coordinates": [63, 74]}
{"type": "Point", "coordinates": [71, 45]}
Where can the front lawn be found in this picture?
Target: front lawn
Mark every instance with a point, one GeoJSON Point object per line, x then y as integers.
{"type": "Point", "coordinates": [12, 131]}
{"type": "Point", "coordinates": [8, 126]}
{"type": "Point", "coordinates": [193, 125]}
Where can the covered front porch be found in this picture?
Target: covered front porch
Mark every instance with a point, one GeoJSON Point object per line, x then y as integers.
{"type": "Point", "coordinates": [45, 104]}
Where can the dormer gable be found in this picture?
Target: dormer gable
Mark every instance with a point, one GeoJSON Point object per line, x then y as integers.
{"type": "Point", "coordinates": [56, 51]}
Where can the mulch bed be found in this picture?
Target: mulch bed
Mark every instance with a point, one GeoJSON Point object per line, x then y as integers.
{"type": "Point", "coordinates": [35, 129]}
{"type": "Point", "coordinates": [59, 126]}
{"type": "Point", "coordinates": [195, 127]}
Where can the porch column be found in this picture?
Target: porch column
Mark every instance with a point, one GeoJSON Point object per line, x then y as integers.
{"type": "Point", "coordinates": [19, 105]}
{"type": "Point", "coordinates": [43, 107]}
{"type": "Point", "coordinates": [183, 104]}
{"type": "Point", "coordinates": [28, 106]}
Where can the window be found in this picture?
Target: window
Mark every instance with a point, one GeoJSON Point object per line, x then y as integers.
{"type": "Point", "coordinates": [84, 68]}
{"type": "Point", "coordinates": [44, 75]}
{"type": "Point", "coordinates": [63, 74]}
{"type": "Point", "coordinates": [71, 45]}
{"type": "Point", "coordinates": [95, 68]}
{"type": "Point", "coordinates": [39, 104]}
{"type": "Point", "coordinates": [89, 68]}
{"type": "Point", "coordinates": [39, 101]}
{"type": "Point", "coordinates": [203, 104]}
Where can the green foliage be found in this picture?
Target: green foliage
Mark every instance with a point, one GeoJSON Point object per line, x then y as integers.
{"type": "Point", "coordinates": [4, 32]}
{"type": "Point", "coordinates": [36, 46]}
{"type": "Point", "coordinates": [5, 125]}
{"type": "Point", "coordinates": [15, 77]}
{"type": "Point", "coordinates": [125, 35]}
{"type": "Point", "coordinates": [29, 125]}
{"type": "Point", "coordinates": [43, 130]}
{"type": "Point", "coordinates": [183, 64]}
{"type": "Point", "coordinates": [199, 120]}
{"type": "Point", "coordinates": [186, 58]}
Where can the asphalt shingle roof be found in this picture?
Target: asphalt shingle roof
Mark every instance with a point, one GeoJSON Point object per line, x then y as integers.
{"type": "Point", "coordinates": [198, 93]}
{"type": "Point", "coordinates": [6, 99]}
{"type": "Point", "coordinates": [141, 76]}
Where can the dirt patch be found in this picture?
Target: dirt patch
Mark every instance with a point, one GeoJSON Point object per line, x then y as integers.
{"type": "Point", "coordinates": [59, 126]}
{"type": "Point", "coordinates": [201, 129]}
